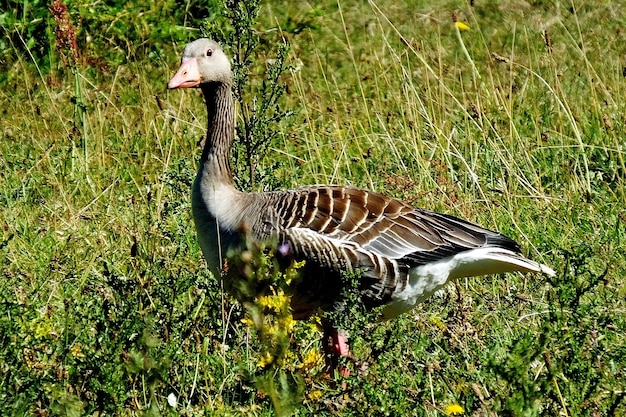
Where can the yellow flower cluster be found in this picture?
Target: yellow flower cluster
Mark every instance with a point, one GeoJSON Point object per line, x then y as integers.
{"type": "Point", "coordinates": [262, 286]}
{"type": "Point", "coordinates": [277, 302]}
{"type": "Point", "coordinates": [77, 351]}
{"type": "Point", "coordinates": [277, 308]}
{"type": "Point", "coordinates": [311, 359]}
{"type": "Point", "coordinates": [292, 272]}
{"type": "Point", "coordinates": [315, 395]}
{"type": "Point", "coordinates": [279, 327]}
{"type": "Point", "coordinates": [270, 315]}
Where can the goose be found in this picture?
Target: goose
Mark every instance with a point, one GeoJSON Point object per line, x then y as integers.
{"type": "Point", "coordinates": [402, 254]}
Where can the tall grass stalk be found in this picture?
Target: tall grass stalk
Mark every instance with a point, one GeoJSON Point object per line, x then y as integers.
{"type": "Point", "coordinates": [80, 125]}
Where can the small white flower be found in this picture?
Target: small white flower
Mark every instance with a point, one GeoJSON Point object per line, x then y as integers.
{"type": "Point", "coordinates": [171, 400]}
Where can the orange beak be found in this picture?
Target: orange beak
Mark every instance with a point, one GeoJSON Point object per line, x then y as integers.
{"type": "Point", "coordinates": [187, 75]}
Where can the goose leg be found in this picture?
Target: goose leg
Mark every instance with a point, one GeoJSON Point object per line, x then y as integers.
{"type": "Point", "coordinates": [335, 345]}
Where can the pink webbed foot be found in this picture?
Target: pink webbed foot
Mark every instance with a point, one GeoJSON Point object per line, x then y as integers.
{"type": "Point", "coordinates": [340, 344]}
{"type": "Point", "coordinates": [336, 347]}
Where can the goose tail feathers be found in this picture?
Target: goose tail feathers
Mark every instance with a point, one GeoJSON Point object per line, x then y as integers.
{"type": "Point", "coordinates": [493, 260]}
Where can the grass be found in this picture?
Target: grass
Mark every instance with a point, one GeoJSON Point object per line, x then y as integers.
{"type": "Point", "coordinates": [518, 124]}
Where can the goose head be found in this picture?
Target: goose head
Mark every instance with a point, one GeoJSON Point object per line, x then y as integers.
{"type": "Point", "coordinates": [203, 62]}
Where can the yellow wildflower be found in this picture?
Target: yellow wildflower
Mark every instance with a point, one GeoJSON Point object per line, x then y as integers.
{"type": "Point", "coordinates": [453, 410]}
{"type": "Point", "coordinates": [264, 301]}
{"type": "Point", "coordinates": [287, 322]}
{"type": "Point", "coordinates": [293, 272]}
{"type": "Point", "coordinates": [42, 328]}
{"type": "Point", "coordinates": [315, 395]}
{"type": "Point", "coordinates": [435, 320]}
{"type": "Point", "coordinates": [265, 360]}
{"type": "Point", "coordinates": [276, 302]}
{"type": "Point", "coordinates": [311, 359]}
{"type": "Point", "coordinates": [77, 351]}
{"type": "Point", "coordinates": [461, 26]}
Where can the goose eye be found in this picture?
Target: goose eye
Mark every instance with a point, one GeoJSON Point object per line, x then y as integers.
{"type": "Point", "coordinates": [209, 52]}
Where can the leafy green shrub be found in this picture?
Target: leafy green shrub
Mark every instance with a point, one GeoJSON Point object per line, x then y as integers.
{"type": "Point", "coordinates": [107, 33]}
{"type": "Point", "coordinates": [258, 88]}
{"type": "Point", "coordinates": [568, 359]}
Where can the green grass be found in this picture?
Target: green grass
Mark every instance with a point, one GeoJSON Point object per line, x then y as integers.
{"type": "Point", "coordinates": [106, 305]}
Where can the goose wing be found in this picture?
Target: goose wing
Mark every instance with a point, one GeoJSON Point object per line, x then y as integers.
{"type": "Point", "coordinates": [342, 229]}
{"type": "Point", "coordinates": [381, 225]}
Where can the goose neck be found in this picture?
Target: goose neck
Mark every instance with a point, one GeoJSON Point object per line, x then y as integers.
{"type": "Point", "coordinates": [220, 130]}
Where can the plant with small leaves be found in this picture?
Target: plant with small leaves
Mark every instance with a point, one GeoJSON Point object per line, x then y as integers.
{"type": "Point", "coordinates": [257, 91]}
{"type": "Point", "coordinates": [263, 286]}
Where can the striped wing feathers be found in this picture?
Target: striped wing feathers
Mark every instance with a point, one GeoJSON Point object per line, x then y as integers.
{"type": "Point", "coordinates": [328, 258]}
{"type": "Point", "coordinates": [342, 229]}
{"type": "Point", "coordinates": [376, 223]}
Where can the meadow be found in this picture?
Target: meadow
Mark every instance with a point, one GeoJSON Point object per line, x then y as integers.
{"type": "Point", "coordinates": [510, 114]}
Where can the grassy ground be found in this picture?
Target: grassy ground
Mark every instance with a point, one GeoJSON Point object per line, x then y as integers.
{"type": "Point", "coordinates": [518, 124]}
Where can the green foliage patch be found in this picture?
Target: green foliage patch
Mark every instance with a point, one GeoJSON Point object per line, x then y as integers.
{"type": "Point", "coordinates": [107, 307]}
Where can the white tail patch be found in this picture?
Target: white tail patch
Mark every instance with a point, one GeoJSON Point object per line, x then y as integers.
{"type": "Point", "coordinates": [424, 280]}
